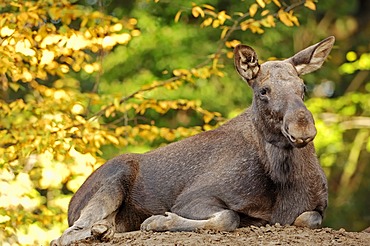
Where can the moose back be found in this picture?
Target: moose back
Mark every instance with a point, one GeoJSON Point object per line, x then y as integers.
{"type": "Point", "coordinates": [258, 168]}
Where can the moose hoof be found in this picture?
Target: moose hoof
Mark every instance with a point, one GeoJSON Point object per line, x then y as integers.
{"type": "Point", "coordinates": [310, 219]}
{"type": "Point", "coordinates": [102, 230]}
{"type": "Point", "coordinates": [71, 235]}
{"type": "Point", "coordinates": [158, 222]}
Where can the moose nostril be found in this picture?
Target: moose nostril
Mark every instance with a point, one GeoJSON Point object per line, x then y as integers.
{"type": "Point", "coordinates": [299, 141]}
{"type": "Point", "coordinates": [309, 139]}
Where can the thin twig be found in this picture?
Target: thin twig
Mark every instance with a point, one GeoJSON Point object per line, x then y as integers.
{"type": "Point", "coordinates": [293, 6]}
{"type": "Point", "coordinates": [132, 95]}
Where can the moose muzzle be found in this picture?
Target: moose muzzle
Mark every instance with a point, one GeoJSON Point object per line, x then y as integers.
{"type": "Point", "coordinates": [299, 127]}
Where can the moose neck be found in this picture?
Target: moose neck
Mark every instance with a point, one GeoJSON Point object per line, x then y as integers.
{"type": "Point", "coordinates": [279, 163]}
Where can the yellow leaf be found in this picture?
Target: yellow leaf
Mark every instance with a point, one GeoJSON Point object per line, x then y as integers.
{"type": "Point", "coordinates": [180, 72]}
{"type": "Point", "coordinates": [224, 31]}
{"type": "Point", "coordinates": [261, 3]}
{"type": "Point", "coordinates": [265, 12]}
{"type": "Point", "coordinates": [230, 54]}
{"type": "Point", "coordinates": [208, 117]}
{"type": "Point", "coordinates": [167, 134]}
{"type": "Point", "coordinates": [177, 17]}
{"type": "Point", "coordinates": [271, 20]}
{"type": "Point", "coordinates": [6, 31]}
{"type": "Point", "coordinates": [109, 112]}
{"type": "Point", "coordinates": [88, 68]}
{"type": "Point", "coordinates": [253, 9]}
{"type": "Point", "coordinates": [115, 28]}
{"type": "Point", "coordinates": [277, 3]}
{"type": "Point", "coordinates": [255, 28]}
{"type": "Point", "coordinates": [4, 218]}
{"type": "Point", "coordinates": [116, 102]}
{"type": "Point", "coordinates": [244, 25]}
{"type": "Point", "coordinates": [84, 22]}
{"type": "Point", "coordinates": [222, 16]}
{"type": "Point", "coordinates": [310, 4]}
{"type": "Point", "coordinates": [14, 86]}
{"type": "Point", "coordinates": [75, 183]}
{"type": "Point", "coordinates": [77, 109]}
{"type": "Point", "coordinates": [196, 11]}
{"type": "Point", "coordinates": [351, 56]}
{"type": "Point", "coordinates": [140, 95]}
{"type": "Point", "coordinates": [207, 21]}
{"type": "Point", "coordinates": [112, 139]}
{"type": "Point", "coordinates": [294, 19]}
{"type": "Point", "coordinates": [216, 23]}
{"type": "Point", "coordinates": [232, 43]}
{"type": "Point", "coordinates": [27, 76]}
{"type": "Point", "coordinates": [207, 6]}
{"type": "Point", "coordinates": [240, 14]}
{"type": "Point", "coordinates": [265, 23]}
{"type": "Point", "coordinates": [207, 127]}
{"type": "Point", "coordinates": [219, 73]}
{"type": "Point", "coordinates": [283, 16]}
{"type": "Point", "coordinates": [24, 47]}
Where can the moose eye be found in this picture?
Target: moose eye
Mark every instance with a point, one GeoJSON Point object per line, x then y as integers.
{"type": "Point", "coordinates": [263, 93]}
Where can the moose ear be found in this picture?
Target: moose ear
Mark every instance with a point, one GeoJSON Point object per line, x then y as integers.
{"type": "Point", "coordinates": [246, 62]}
{"type": "Point", "coordinates": [312, 58]}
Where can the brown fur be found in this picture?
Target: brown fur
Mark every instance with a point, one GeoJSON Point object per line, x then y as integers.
{"type": "Point", "coordinates": [258, 168]}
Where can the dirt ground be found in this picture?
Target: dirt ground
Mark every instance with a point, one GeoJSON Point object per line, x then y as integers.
{"type": "Point", "coordinates": [268, 235]}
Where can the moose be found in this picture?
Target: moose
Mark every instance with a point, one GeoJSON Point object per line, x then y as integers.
{"type": "Point", "coordinates": [258, 168]}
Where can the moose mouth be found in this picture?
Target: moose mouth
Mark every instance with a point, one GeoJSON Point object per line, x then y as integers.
{"type": "Point", "coordinates": [298, 142]}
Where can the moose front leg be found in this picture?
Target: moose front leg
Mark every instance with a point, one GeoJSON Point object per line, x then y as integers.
{"type": "Point", "coordinates": [310, 219]}
{"type": "Point", "coordinates": [225, 220]}
{"type": "Point", "coordinates": [97, 219]}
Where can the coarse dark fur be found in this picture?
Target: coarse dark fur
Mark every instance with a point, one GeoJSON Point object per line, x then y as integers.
{"type": "Point", "coordinates": [258, 168]}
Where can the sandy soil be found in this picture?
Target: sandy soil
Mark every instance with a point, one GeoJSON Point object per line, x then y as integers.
{"type": "Point", "coordinates": [268, 235]}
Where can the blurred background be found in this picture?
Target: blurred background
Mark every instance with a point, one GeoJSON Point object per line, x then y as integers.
{"type": "Point", "coordinates": [83, 81]}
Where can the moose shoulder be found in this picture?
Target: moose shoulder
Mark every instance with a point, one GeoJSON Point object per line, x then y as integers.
{"type": "Point", "coordinates": [258, 168]}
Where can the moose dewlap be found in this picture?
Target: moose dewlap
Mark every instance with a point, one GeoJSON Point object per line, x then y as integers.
{"type": "Point", "coordinates": [258, 168]}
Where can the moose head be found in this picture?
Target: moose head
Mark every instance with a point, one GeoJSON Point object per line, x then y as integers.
{"type": "Point", "coordinates": [279, 111]}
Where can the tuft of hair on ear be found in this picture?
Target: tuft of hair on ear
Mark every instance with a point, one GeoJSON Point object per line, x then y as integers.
{"type": "Point", "coordinates": [246, 62]}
